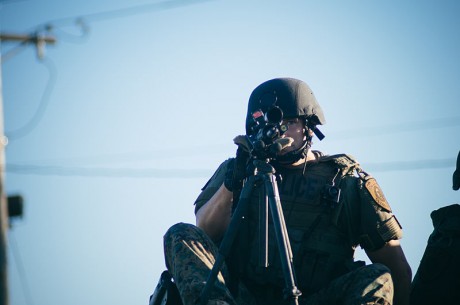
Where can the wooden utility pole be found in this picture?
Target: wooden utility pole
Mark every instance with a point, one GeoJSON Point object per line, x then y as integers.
{"type": "Point", "coordinates": [4, 297]}
{"type": "Point", "coordinates": [39, 41]}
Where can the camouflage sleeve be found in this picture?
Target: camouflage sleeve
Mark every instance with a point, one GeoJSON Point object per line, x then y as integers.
{"type": "Point", "coordinates": [213, 184]}
{"type": "Point", "coordinates": [378, 224]}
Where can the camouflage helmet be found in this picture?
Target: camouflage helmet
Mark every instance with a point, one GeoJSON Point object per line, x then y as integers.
{"type": "Point", "coordinates": [294, 97]}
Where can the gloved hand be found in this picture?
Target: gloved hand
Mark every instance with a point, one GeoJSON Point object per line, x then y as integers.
{"type": "Point", "coordinates": [237, 167]}
{"type": "Point", "coordinates": [282, 143]}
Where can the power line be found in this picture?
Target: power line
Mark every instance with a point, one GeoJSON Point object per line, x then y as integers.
{"type": "Point", "coordinates": [124, 12]}
{"type": "Point", "coordinates": [43, 104]}
{"type": "Point", "coordinates": [398, 128]}
{"type": "Point", "coordinates": [106, 172]}
{"type": "Point", "coordinates": [195, 173]}
{"type": "Point", "coordinates": [67, 36]}
{"type": "Point", "coordinates": [14, 51]}
{"type": "Point", "coordinates": [20, 269]}
{"type": "Point", "coordinates": [411, 165]}
{"type": "Point", "coordinates": [5, 2]}
{"type": "Point", "coordinates": [111, 14]}
{"type": "Point", "coordinates": [129, 157]}
{"type": "Point", "coordinates": [222, 148]}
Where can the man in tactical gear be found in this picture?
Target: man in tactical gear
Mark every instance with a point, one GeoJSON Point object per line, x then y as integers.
{"type": "Point", "coordinates": [437, 280]}
{"type": "Point", "coordinates": [330, 206]}
{"type": "Point", "coordinates": [456, 175]}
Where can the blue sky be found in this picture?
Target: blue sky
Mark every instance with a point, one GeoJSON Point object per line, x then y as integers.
{"type": "Point", "coordinates": [113, 133]}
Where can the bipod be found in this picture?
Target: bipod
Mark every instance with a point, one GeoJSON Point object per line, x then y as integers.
{"type": "Point", "coordinates": [263, 175]}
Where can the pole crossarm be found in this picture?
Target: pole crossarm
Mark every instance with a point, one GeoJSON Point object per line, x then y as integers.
{"type": "Point", "coordinates": [39, 40]}
{"type": "Point", "coordinates": [33, 38]}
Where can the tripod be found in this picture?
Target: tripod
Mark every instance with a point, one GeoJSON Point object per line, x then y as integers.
{"type": "Point", "coordinates": [263, 175]}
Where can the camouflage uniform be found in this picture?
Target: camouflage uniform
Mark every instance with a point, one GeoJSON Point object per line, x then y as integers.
{"type": "Point", "coordinates": [190, 255]}
{"type": "Point", "coordinates": [323, 234]}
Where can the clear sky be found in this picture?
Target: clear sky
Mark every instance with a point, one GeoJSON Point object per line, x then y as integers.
{"type": "Point", "coordinates": [113, 133]}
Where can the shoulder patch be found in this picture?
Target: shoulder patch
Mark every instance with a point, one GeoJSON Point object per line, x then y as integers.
{"type": "Point", "coordinates": [374, 189]}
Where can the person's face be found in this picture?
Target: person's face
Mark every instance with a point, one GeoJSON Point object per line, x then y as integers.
{"type": "Point", "coordinates": [296, 131]}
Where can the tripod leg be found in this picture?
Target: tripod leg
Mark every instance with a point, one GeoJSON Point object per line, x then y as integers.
{"type": "Point", "coordinates": [228, 239]}
{"type": "Point", "coordinates": [291, 292]}
{"type": "Point", "coordinates": [263, 228]}
{"type": "Point", "coordinates": [285, 233]}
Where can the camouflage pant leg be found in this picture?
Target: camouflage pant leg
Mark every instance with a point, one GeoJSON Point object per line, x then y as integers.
{"type": "Point", "coordinates": [371, 284]}
{"type": "Point", "coordinates": [190, 255]}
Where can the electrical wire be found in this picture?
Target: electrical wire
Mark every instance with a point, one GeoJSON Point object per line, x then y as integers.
{"type": "Point", "coordinates": [124, 12]}
{"type": "Point", "coordinates": [20, 268]}
{"type": "Point", "coordinates": [64, 35]}
{"type": "Point", "coordinates": [28, 127]}
{"type": "Point", "coordinates": [116, 158]}
{"type": "Point", "coordinates": [5, 2]}
{"type": "Point", "coordinates": [43, 104]}
{"type": "Point", "coordinates": [129, 157]}
{"type": "Point", "coordinates": [14, 51]}
{"type": "Point", "coordinates": [82, 20]}
{"type": "Point", "coordinates": [398, 128]}
{"type": "Point", "coordinates": [47, 170]}
{"type": "Point", "coordinates": [106, 172]}
{"type": "Point", "coordinates": [411, 165]}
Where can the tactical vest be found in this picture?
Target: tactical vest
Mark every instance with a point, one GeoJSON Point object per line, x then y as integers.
{"type": "Point", "coordinates": [316, 225]}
